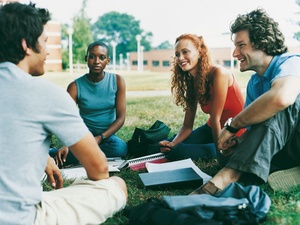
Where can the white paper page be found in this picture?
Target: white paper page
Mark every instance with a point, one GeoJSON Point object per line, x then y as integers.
{"type": "Point", "coordinates": [79, 171]}
{"type": "Point", "coordinates": [185, 163]}
{"type": "Point", "coordinates": [72, 173]}
{"type": "Point", "coordinates": [113, 165]}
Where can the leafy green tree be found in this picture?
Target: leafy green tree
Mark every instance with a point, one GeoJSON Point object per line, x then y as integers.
{"type": "Point", "coordinates": [82, 35]}
{"type": "Point", "coordinates": [297, 34]}
{"type": "Point", "coordinates": [122, 29]}
{"type": "Point", "coordinates": [65, 46]}
{"type": "Point", "coordinates": [165, 45]}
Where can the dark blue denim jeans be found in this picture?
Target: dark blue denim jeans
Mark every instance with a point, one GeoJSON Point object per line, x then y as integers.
{"type": "Point", "coordinates": [112, 147]}
{"type": "Point", "coordinates": [198, 145]}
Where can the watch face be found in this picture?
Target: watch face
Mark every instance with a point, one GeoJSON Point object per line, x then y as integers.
{"type": "Point", "coordinates": [228, 122]}
{"type": "Point", "coordinates": [229, 128]}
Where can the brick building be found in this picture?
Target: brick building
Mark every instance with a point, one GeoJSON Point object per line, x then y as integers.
{"type": "Point", "coordinates": [161, 59]}
{"type": "Point", "coordinates": [221, 53]}
{"type": "Point", "coordinates": [54, 59]}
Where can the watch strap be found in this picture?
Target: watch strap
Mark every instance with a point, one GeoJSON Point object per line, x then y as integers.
{"type": "Point", "coordinates": [232, 129]}
{"type": "Point", "coordinates": [103, 137]}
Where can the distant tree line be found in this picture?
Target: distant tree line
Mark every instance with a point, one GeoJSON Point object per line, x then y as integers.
{"type": "Point", "coordinates": [297, 34]}
{"type": "Point", "coordinates": [120, 28]}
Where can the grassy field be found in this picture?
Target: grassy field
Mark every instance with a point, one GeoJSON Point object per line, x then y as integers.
{"type": "Point", "coordinates": [143, 112]}
{"type": "Point", "coordinates": [134, 81]}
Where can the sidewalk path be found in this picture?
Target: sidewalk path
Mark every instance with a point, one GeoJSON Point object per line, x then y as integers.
{"type": "Point", "coordinates": [156, 93]}
{"type": "Point", "coordinates": [148, 93]}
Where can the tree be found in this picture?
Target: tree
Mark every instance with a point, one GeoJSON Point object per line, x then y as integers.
{"type": "Point", "coordinates": [165, 45]}
{"type": "Point", "coordinates": [82, 35]}
{"type": "Point", "coordinates": [65, 46]}
{"type": "Point", "coordinates": [297, 34]}
{"type": "Point", "coordinates": [121, 28]}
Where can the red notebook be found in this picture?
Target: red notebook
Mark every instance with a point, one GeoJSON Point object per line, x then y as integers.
{"type": "Point", "coordinates": [139, 163]}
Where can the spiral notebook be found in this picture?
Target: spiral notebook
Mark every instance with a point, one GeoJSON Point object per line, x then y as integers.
{"type": "Point", "coordinates": [140, 163]}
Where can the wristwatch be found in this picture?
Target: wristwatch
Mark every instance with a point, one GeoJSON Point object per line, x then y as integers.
{"type": "Point", "coordinates": [102, 137]}
{"type": "Point", "coordinates": [230, 128]}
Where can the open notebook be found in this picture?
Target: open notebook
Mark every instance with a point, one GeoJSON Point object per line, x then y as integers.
{"type": "Point", "coordinates": [78, 171]}
{"type": "Point", "coordinates": [139, 163]}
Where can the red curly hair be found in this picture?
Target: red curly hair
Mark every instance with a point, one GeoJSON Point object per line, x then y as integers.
{"type": "Point", "coordinates": [187, 90]}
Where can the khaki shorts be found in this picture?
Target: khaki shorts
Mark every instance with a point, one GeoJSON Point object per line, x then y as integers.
{"type": "Point", "coordinates": [83, 202]}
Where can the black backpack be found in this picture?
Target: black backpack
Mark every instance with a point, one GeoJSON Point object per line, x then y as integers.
{"type": "Point", "coordinates": [235, 205]}
{"type": "Point", "coordinates": [144, 141]}
{"type": "Point", "coordinates": [155, 212]}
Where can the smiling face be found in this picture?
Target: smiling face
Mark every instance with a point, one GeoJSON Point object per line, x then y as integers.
{"type": "Point", "coordinates": [97, 59]}
{"type": "Point", "coordinates": [249, 57]}
{"type": "Point", "coordinates": [37, 61]}
{"type": "Point", "coordinates": [187, 56]}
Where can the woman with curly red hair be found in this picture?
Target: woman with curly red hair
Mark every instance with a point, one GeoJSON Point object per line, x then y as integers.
{"type": "Point", "coordinates": [196, 80]}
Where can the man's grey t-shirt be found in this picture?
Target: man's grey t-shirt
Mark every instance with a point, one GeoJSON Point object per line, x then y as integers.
{"type": "Point", "coordinates": [31, 109]}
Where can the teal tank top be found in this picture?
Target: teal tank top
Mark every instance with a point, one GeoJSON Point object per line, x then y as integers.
{"type": "Point", "coordinates": [97, 102]}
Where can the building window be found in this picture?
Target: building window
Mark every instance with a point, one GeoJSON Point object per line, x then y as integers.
{"type": "Point", "coordinates": [145, 62]}
{"type": "Point", "coordinates": [166, 63]}
{"type": "Point", "coordinates": [227, 63]}
{"type": "Point", "coordinates": [155, 63]}
{"type": "Point", "coordinates": [134, 63]}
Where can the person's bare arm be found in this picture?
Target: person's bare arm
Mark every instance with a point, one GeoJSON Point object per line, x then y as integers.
{"type": "Point", "coordinates": [222, 79]}
{"type": "Point", "coordinates": [91, 157]}
{"type": "Point", "coordinates": [183, 132]}
{"type": "Point", "coordinates": [120, 109]}
{"type": "Point", "coordinates": [187, 126]}
{"type": "Point", "coordinates": [72, 90]}
{"type": "Point", "coordinates": [282, 94]}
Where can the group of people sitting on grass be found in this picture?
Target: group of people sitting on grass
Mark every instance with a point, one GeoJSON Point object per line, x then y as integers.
{"type": "Point", "coordinates": [256, 140]}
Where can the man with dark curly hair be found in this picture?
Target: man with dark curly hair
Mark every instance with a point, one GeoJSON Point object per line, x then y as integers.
{"type": "Point", "coordinates": [271, 113]}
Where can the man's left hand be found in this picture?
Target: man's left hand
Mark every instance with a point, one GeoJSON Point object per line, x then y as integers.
{"type": "Point", "coordinates": [226, 140]}
{"type": "Point", "coordinates": [54, 176]}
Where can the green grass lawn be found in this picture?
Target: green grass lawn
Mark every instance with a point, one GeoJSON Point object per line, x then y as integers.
{"type": "Point", "coordinates": [135, 81]}
{"type": "Point", "coordinates": [143, 112]}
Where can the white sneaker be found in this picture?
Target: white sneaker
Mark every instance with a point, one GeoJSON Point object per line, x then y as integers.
{"type": "Point", "coordinates": [284, 180]}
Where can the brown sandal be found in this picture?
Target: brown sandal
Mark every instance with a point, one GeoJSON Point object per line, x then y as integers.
{"type": "Point", "coordinates": [207, 188]}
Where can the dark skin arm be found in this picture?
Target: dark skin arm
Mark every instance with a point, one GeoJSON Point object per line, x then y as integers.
{"type": "Point", "coordinates": [113, 128]}
{"type": "Point", "coordinates": [120, 106]}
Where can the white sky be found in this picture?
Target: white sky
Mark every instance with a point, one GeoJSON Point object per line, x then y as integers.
{"type": "Point", "coordinates": [167, 19]}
